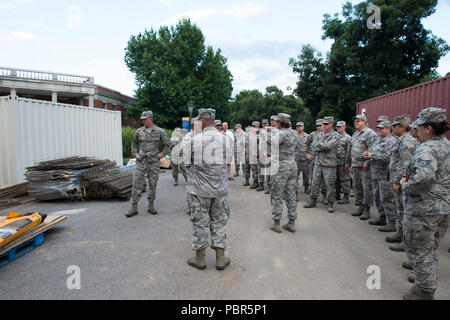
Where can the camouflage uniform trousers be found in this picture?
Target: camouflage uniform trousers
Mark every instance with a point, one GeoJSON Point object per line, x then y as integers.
{"type": "Point", "coordinates": [421, 236]}
{"type": "Point", "coordinates": [324, 178]}
{"type": "Point", "coordinates": [383, 194]}
{"type": "Point", "coordinates": [255, 172]}
{"type": "Point", "coordinates": [362, 185]}
{"type": "Point", "coordinates": [208, 215]}
{"type": "Point", "coordinates": [303, 167]}
{"type": "Point", "coordinates": [283, 186]}
{"type": "Point", "coordinates": [399, 207]}
{"type": "Point", "coordinates": [237, 165]}
{"type": "Point", "coordinates": [152, 170]}
{"type": "Point", "coordinates": [175, 168]}
{"type": "Point", "coordinates": [342, 181]}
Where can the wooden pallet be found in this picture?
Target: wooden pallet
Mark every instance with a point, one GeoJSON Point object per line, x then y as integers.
{"type": "Point", "coordinates": [21, 249]}
{"type": "Point", "coordinates": [27, 241]}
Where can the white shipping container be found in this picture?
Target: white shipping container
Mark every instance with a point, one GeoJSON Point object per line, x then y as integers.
{"type": "Point", "coordinates": [35, 130]}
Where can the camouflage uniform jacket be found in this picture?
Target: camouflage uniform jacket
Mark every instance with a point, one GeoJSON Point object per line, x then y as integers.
{"type": "Point", "coordinates": [403, 150]}
{"type": "Point", "coordinates": [326, 148]}
{"type": "Point", "coordinates": [287, 147]}
{"type": "Point", "coordinates": [303, 147]}
{"type": "Point", "coordinates": [344, 142]}
{"type": "Point", "coordinates": [207, 170]}
{"type": "Point", "coordinates": [428, 185]}
{"type": "Point", "coordinates": [361, 142]}
{"type": "Point", "coordinates": [146, 143]}
{"type": "Point", "coordinates": [381, 152]}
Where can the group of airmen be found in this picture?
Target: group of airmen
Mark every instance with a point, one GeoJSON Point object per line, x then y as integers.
{"type": "Point", "coordinates": [403, 167]}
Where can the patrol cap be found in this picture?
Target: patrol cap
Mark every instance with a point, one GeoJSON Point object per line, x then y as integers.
{"type": "Point", "coordinates": [206, 114]}
{"type": "Point", "coordinates": [319, 122]}
{"type": "Point", "coordinates": [383, 118]}
{"type": "Point", "coordinates": [274, 118]}
{"type": "Point", "coordinates": [299, 124]}
{"type": "Point", "coordinates": [432, 115]}
{"type": "Point", "coordinates": [341, 124]}
{"type": "Point", "coordinates": [328, 120]}
{"type": "Point", "coordinates": [265, 121]}
{"type": "Point", "coordinates": [284, 117]}
{"type": "Point", "coordinates": [237, 126]}
{"type": "Point", "coordinates": [360, 117]}
{"type": "Point", "coordinates": [414, 125]}
{"type": "Point", "coordinates": [400, 119]}
{"type": "Point", "coordinates": [146, 115]}
{"type": "Point", "coordinates": [255, 123]}
{"type": "Point", "coordinates": [385, 124]}
{"type": "Point", "coordinates": [217, 122]}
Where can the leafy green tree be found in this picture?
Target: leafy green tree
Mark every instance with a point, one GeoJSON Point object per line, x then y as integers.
{"type": "Point", "coordinates": [364, 63]}
{"type": "Point", "coordinates": [252, 105]}
{"type": "Point", "coordinates": [173, 68]}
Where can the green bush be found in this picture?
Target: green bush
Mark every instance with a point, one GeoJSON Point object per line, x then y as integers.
{"type": "Point", "coordinates": [127, 136]}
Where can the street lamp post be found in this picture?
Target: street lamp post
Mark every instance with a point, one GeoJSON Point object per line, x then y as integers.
{"type": "Point", "coordinates": [190, 109]}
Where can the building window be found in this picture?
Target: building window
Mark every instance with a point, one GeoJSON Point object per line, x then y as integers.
{"type": "Point", "coordinates": [104, 105]}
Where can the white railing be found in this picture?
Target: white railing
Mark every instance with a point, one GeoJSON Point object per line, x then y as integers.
{"type": "Point", "coordinates": [43, 75]}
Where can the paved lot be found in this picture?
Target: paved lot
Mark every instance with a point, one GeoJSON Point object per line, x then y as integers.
{"type": "Point", "coordinates": [145, 257]}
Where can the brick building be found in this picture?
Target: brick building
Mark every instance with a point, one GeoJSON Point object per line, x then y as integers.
{"type": "Point", "coordinates": [64, 88]}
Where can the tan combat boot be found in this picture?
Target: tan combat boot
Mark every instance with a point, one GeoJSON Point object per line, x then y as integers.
{"type": "Point", "coordinates": [221, 261]}
{"type": "Point", "coordinates": [312, 203]}
{"type": "Point", "coordinates": [407, 265]}
{"type": "Point", "coordinates": [330, 207]}
{"type": "Point", "coordinates": [417, 294]}
{"type": "Point", "coordinates": [359, 211]}
{"type": "Point", "coordinates": [151, 209]}
{"type": "Point", "coordinates": [366, 213]}
{"type": "Point", "coordinates": [276, 227]}
{"type": "Point", "coordinates": [198, 261]}
{"type": "Point", "coordinates": [396, 238]}
{"type": "Point", "coordinates": [344, 200]}
{"type": "Point", "coordinates": [290, 226]}
{"type": "Point", "coordinates": [133, 211]}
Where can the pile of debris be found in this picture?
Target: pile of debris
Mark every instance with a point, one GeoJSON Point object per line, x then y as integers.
{"type": "Point", "coordinates": [14, 195]}
{"type": "Point", "coordinates": [79, 178]}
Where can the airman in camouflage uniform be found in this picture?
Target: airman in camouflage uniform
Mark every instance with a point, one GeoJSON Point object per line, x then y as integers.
{"type": "Point", "coordinates": [378, 157]}
{"type": "Point", "coordinates": [326, 162]}
{"type": "Point", "coordinates": [403, 151]}
{"type": "Point", "coordinates": [361, 141]}
{"type": "Point", "coordinates": [255, 164]}
{"type": "Point", "coordinates": [145, 146]}
{"type": "Point", "coordinates": [177, 165]}
{"type": "Point", "coordinates": [300, 158]}
{"type": "Point", "coordinates": [207, 190]}
{"type": "Point", "coordinates": [342, 178]}
{"type": "Point", "coordinates": [427, 202]}
{"type": "Point", "coordinates": [283, 180]}
{"type": "Point", "coordinates": [264, 178]}
{"type": "Point", "coordinates": [239, 149]}
{"type": "Point", "coordinates": [312, 157]}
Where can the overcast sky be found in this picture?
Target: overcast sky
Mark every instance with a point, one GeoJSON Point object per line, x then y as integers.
{"type": "Point", "coordinates": [89, 37]}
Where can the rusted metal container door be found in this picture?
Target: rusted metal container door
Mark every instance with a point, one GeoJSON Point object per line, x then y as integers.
{"type": "Point", "coordinates": [412, 100]}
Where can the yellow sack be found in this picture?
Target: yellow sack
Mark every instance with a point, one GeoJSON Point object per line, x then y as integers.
{"type": "Point", "coordinates": [17, 224]}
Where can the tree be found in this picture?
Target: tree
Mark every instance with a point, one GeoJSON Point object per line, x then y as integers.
{"type": "Point", "coordinates": [364, 63]}
{"type": "Point", "coordinates": [249, 106]}
{"type": "Point", "coordinates": [173, 68]}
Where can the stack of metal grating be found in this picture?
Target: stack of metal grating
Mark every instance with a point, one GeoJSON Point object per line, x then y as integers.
{"type": "Point", "coordinates": [78, 178]}
{"type": "Point", "coordinates": [14, 195]}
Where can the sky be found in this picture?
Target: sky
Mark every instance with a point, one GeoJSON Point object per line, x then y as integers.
{"type": "Point", "coordinates": [89, 37]}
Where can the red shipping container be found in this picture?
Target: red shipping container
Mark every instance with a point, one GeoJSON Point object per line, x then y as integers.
{"type": "Point", "coordinates": [412, 100]}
